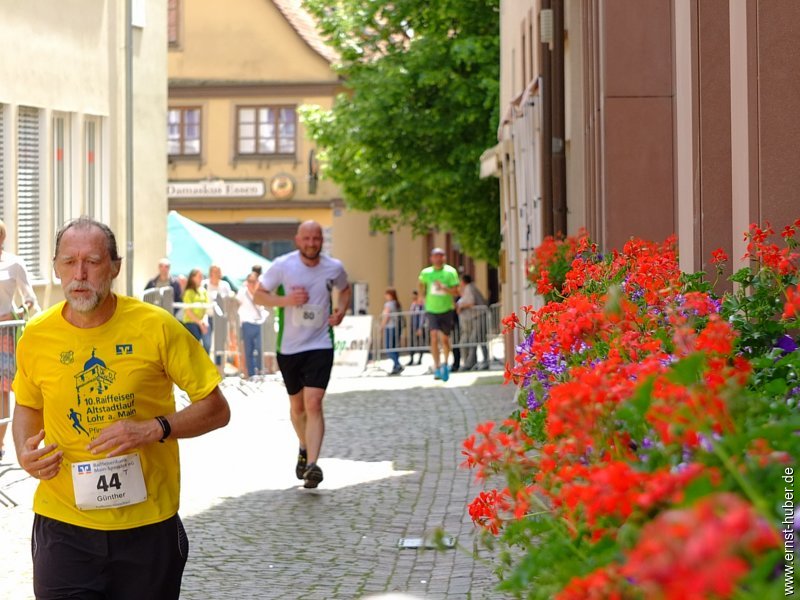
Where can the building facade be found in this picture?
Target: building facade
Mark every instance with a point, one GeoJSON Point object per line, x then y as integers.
{"type": "Point", "coordinates": [82, 103]}
{"type": "Point", "coordinates": [645, 118]}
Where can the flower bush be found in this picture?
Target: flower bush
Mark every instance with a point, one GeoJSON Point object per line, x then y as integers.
{"type": "Point", "coordinates": [656, 431]}
{"type": "Point", "coordinates": [548, 266]}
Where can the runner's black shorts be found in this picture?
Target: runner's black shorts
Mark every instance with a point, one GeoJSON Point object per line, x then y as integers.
{"type": "Point", "coordinates": [441, 321]}
{"type": "Point", "coordinates": [306, 369]}
{"type": "Point", "coordinates": [128, 564]}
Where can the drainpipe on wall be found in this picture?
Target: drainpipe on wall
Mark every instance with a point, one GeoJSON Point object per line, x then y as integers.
{"type": "Point", "coordinates": [129, 145]}
{"type": "Point", "coordinates": [547, 131]}
{"type": "Point", "coordinates": [558, 127]}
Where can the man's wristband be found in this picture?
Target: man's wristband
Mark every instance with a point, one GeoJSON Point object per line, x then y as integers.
{"type": "Point", "coordinates": [165, 426]}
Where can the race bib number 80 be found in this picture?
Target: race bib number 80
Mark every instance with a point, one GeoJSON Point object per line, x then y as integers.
{"type": "Point", "coordinates": [308, 315]}
{"type": "Point", "coordinates": [109, 482]}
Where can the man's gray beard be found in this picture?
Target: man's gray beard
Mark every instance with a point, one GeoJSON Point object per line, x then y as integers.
{"type": "Point", "coordinates": [85, 305]}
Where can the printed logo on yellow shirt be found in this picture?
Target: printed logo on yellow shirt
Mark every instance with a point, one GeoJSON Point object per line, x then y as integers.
{"type": "Point", "coordinates": [96, 407]}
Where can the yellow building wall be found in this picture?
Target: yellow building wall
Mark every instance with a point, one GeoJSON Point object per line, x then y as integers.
{"type": "Point", "coordinates": [243, 40]}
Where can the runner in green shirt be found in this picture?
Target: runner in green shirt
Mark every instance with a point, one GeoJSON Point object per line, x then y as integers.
{"type": "Point", "coordinates": [439, 285]}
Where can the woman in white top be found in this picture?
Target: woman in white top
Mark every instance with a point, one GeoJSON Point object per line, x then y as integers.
{"type": "Point", "coordinates": [252, 317]}
{"type": "Point", "coordinates": [13, 280]}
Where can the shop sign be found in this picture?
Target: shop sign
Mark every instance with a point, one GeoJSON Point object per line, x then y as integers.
{"type": "Point", "coordinates": [216, 188]}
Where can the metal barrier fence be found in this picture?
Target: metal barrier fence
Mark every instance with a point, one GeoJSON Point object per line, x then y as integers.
{"type": "Point", "coordinates": [227, 349]}
{"type": "Point", "coordinates": [9, 333]}
{"type": "Point", "coordinates": [163, 297]}
{"type": "Point", "coordinates": [476, 330]}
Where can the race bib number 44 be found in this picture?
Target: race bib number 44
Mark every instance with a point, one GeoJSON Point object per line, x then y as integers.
{"type": "Point", "coordinates": [108, 483]}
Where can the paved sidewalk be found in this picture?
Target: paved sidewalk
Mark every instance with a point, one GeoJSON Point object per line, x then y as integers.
{"type": "Point", "coordinates": [390, 459]}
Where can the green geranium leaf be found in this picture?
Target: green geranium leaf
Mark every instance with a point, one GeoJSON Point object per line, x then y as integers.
{"type": "Point", "coordinates": [687, 370]}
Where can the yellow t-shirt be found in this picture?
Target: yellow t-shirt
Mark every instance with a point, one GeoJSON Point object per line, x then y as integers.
{"type": "Point", "coordinates": [193, 297]}
{"type": "Point", "coordinates": [85, 379]}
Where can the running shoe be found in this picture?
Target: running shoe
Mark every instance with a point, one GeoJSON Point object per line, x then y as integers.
{"type": "Point", "coordinates": [445, 373]}
{"type": "Point", "coordinates": [437, 373]}
{"type": "Point", "coordinates": [313, 476]}
{"type": "Point", "coordinates": [302, 460]}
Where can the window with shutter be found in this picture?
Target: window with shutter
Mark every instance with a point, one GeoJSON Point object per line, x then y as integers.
{"type": "Point", "coordinates": [266, 130]}
{"type": "Point", "coordinates": [28, 192]}
{"type": "Point", "coordinates": [62, 196]}
{"type": "Point", "coordinates": [92, 170]}
{"type": "Point", "coordinates": [173, 23]}
{"type": "Point", "coordinates": [183, 132]}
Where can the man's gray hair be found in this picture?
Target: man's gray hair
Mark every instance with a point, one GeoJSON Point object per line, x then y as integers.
{"type": "Point", "coordinates": [84, 222]}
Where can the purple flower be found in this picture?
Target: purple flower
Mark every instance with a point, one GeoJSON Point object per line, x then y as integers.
{"type": "Point", "coordinates": [532, 402]}
{"type": "Point", "coordinates": [786, 344]}
{"type": "Point", "coordinates": [705, 442]}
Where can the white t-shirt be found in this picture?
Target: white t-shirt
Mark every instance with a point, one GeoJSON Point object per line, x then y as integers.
{"type": "Point", "coordinates": [306, 327]}
{"type": "Point", "coordinates": [220, 290]}
{"type": "Point", "coordinates": [13, 277]}
{"type": "Point", "coordinates": [249, 311]}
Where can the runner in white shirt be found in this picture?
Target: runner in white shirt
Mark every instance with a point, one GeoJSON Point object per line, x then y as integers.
{"type": "Point", "coordinates": [300, 285]}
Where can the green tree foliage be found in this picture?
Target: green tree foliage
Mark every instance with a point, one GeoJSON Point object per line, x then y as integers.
{"type": "Point", "coordinates": [421, 105]}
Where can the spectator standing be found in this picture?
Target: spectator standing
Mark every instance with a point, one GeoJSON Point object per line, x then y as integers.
{"type": "Point", "coordinates": [252, 317]}
{"type": "Point", "coordinates": [14, 282]}
{"type": "Point", "coordinates": [196, 319]}
{"type": "Point", "coordinates": [219, 290]}
{"type": "Point", "coordinates": [300, 284]}
{"type": "Point", "coordinates": [455, 339]}
{"type": "Point", "coordinates": [418, 326]}
{"type": "Point", "coordinates": [438, 283]}
{"type": "Point", "coordinates": [94, 397]}
{"type": "Point", "coordinates": [391, 327]}
{"type": "Point", "coordinates": [472, 324]}
{"type": "Point", "coordinates": [164, 279]}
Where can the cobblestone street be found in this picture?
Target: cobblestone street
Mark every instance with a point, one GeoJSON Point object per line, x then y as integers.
{"type": "Point", "coordinates": [390, 459]}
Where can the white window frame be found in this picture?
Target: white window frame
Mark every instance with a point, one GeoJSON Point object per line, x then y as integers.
{"type": "Point", "coordinates": [61, 169]}
{"type": "Point", "coordinates": [93, 169]}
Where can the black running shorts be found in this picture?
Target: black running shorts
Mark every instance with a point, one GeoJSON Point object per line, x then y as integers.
{"type": "Point", "coordinates": [441, 321]}
{"type": "Point", "coordinates": [306, 369]}
{"type": "Point", "coordinates": [129, 564]}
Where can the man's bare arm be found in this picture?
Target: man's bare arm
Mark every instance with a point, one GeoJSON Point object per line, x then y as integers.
{"type": "Point", "coordinates": [196, 419]}
{"type": "Point", "coordinates": [295, 297]}
{"type": "Point", "coordinates": [342, 303]}
{"type": "Point", "coordinates": [42, 463]}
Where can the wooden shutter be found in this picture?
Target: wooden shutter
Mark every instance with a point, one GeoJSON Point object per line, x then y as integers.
{"type": "Point", "coordinates": [28, 192]}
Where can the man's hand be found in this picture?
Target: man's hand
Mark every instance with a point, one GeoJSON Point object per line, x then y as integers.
{"type": "Point", "coordinates": [297, 296]}
{"type": "Point", "coordinates": [336, 317]}
{"type": "Point", "coordinates": [124, 435]}
{"type": "Point", "coordinates": [41, 463]}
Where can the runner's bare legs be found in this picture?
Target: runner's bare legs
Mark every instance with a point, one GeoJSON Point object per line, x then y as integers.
{"type": "Point", "coordinates": [436, 337]}
{"type": "Point", "coordinates": [305, 411]}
